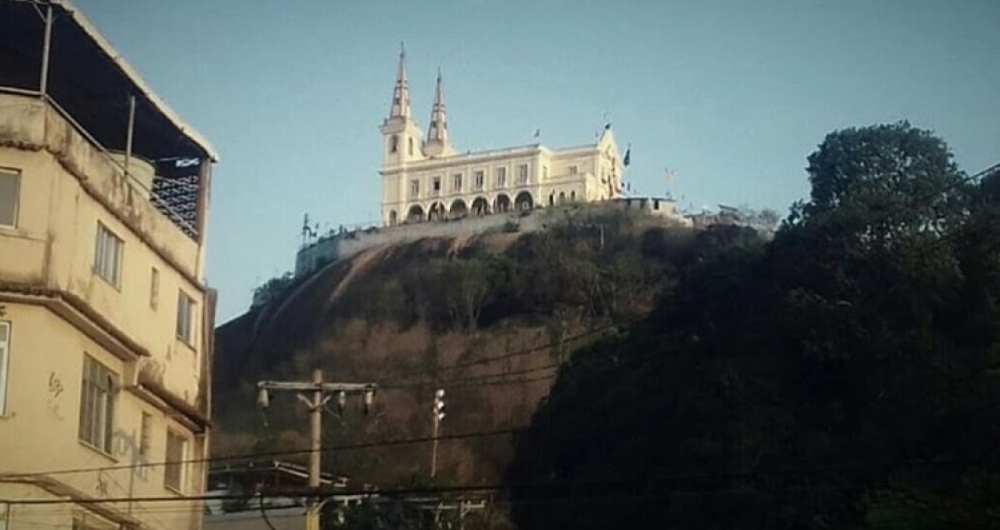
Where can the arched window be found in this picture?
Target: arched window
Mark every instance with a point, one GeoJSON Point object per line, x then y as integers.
{"type": "Point", "coordinates": [393, 143]}
{"type": "Point", "coordinates": [392, 218]}
{"type": "Point", "coordinates": [572, 196]}
{"type": "Point", "coordinates": [410, 148]}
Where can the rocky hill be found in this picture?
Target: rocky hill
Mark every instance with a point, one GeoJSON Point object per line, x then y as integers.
{"type": "Point", "coordinates": [489, 318]}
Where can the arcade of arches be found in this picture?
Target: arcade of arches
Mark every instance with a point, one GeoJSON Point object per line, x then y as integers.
{"type": "Point", "coordinates": [438, 211]}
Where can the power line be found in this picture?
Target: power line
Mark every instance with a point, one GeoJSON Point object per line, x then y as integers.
{"type": "Point", "coordinates": [623, 482]}
{"type": "Point", "coordinates": [480, 380]}
{"type": "Point", "coordinates": [346, 447]}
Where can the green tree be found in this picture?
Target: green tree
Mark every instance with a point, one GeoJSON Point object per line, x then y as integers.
{"type": "Point", "coordinates": [843, 376]}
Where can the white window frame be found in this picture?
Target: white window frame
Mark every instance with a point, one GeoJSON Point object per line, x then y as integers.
{"type": "Point", "coordinates": [108, 250]}
{"type": "Point", "coordinates": [5, 332]}
{"type": "Point", "coordinates": [414, 188]}
{"type": "Point", "coordinates": [98, 397]}
{"type": "Point", "coordinates": [479, 180]}
{"type": "Point", "coordinates": [522, 174]}
{"type": "Point", "coordinates": [501, 177]}
{"type": "Point", "coordinates": [16, 197]}
{"type": "Point", "coordinates": [456, 182]}
{"type": "Point", "coordinates": [436, 186]}
{"type": "Point", "coordinates": [173, 470]}
{"type": "Point", "coordinates": [185, 317]}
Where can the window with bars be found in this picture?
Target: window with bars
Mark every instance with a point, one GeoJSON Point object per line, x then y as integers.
{"type": "Point", "coordinates": [108, 256]}
{"type": "Point", "coordinates": [97, 405]}
{"type": "Point", "coordinates": [173, 471]}
{"type": "Point", "coordinates": [501, 177]}
{"type": "Point", "coordinates": [185, 317]}
{"type": "Point", "coordinates": [10, 196]}
{"type": "Point", "coordinates": [522, 174]}
{"type": "Point", "coordinates": [4, 364]}
{"type": "Point", "coordinates": [154, 288]}
{"type": "Point", "coordinates": [145, 434]}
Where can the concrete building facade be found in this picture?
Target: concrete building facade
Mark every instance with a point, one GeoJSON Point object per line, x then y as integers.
{"type": "Point", "coordinates": [424, 179]}
{"type": "Point", "coordinates": [105, 317]}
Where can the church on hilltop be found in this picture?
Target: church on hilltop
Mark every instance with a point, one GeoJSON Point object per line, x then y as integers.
{"type": "Point", "coordinates": [424, 179]}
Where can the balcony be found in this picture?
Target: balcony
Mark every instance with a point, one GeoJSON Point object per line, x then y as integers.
{"type": "Point", "coordinates": [91, 96]}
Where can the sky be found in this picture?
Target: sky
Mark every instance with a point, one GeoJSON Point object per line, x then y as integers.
{"type": "Point", "coordinates": [732, 96]}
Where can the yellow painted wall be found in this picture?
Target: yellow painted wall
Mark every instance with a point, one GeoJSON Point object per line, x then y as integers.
{"type": "Point", "coordinates": [67, 186]}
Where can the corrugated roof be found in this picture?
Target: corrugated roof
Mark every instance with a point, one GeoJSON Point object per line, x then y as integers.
{"type": "Point", "coordinates": [135, 78]}
{"type": "Point", "coordinates": [91, 81]}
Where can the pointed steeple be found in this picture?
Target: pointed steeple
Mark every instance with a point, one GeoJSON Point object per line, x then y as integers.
{"type": "Point", "coordinates": [401, 93]}
{"type": "Point", "coordinates": [437, 132]}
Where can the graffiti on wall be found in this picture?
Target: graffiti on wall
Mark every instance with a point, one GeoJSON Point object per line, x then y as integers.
{"type": "Point", "coordinates": [102, 485]}
{"type": "Point", "coordinates": [55, 389]}
{"type": "Point", "coordinates": [127, 446]}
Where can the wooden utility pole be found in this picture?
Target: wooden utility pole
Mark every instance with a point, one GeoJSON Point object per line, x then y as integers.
{"type": "Point", "coordinates": [316, 395]}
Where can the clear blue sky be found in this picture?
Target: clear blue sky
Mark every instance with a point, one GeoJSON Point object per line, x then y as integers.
{"type": "Point", "coordinates": [732, 95]}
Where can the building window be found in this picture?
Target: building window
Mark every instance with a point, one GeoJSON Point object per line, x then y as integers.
{"type": "Point", "coordinates": [4, 364]}
{"type": "Point", "coordinates": [108, 256]}
{"type": "Point", "coordinates": [456, 182]}
{"type": "Point", "coordinates": [173, 471]}
{"type": "Point", "coordinates": [97, 405]}
{"type": "Point", "coordinates": [154, 288]}
{"type": "Point", "coordinates": [545, 172]}
{"type": "Point", "coordinates": [480, 177]}
{"type": "Point", "coordinates": [436, 185]}
{"type": "Point", "coordinates": [394, 144]}
{"type": "Point", "coordinates": [10, 196]}
{"type": "Point", "coordinates": [572, 196]}
{"type": "Point", "coordinates": [145, 434]}
{"type": "Point", "coordinates": [501, 177]}
{"type": "Point", "coordinates": [410, 146]}
{"type": "Point", "coordinates": [185, 317]}
{"type": "Point", "coordinates": [573, 170]}
{"type": "Point", "coordinates": [414, 188]}
{"type": "Point", "coordinates": [522, 174]}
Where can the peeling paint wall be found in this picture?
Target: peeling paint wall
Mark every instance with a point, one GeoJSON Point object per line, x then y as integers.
{"type": "Point", "coordinates": [60, 311]}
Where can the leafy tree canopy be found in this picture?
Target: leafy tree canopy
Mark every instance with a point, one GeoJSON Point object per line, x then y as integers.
{"type": "Point", "coordinates": [846, 375]}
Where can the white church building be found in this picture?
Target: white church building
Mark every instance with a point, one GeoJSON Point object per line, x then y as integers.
{"type": "Point", "coordinates": [424, 179]}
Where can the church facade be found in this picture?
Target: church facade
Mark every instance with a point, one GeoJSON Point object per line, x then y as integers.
{"type": "Point", "coordinates": [424, 179]}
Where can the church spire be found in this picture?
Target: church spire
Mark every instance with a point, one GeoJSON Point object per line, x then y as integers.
{"type": "Point", "coordinates": [437, 132]}
{"type": "Point", "coordinates": [401, 94]}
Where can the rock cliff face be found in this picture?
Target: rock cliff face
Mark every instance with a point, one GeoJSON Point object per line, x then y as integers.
{"type": "Point", "coordinates": [488, 318]}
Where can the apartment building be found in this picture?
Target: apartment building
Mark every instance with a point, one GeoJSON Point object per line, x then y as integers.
{"type": "Point", "coordinates": [105, 317]}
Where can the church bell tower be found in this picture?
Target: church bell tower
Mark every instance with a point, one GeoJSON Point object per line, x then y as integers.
{"type": "Point", "coordinates": [402, 139]}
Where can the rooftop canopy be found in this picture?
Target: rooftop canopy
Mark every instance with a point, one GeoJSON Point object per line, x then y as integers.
{"type": "Point", "coordinates": [90, 81]}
